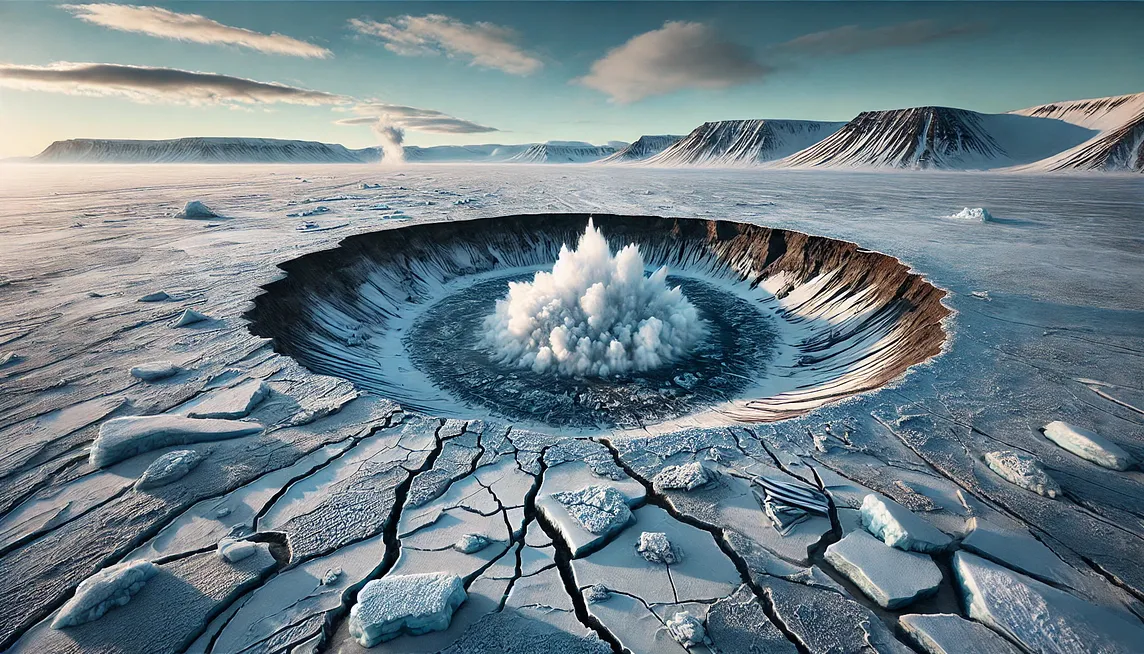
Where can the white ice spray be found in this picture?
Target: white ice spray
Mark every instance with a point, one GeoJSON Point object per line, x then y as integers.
{"type": "Point", "coordinates": [390, 138]}
{"type": "Point", "coordinates": [594, 315]}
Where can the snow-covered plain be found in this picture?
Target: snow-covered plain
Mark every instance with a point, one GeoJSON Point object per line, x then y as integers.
{"type": "Point", "coordinates": [346, 488]}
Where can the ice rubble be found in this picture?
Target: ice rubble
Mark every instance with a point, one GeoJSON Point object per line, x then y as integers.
{"type": "Point", "coordinates": [414, 604]}
{"type": "Point", "coordinates": [195, 209]}
{"type": "Point", "coordinates": [897, 526]}
{"type": "Point", "coordinates": [170, 467]}
{"type": "Point", "coordinates": [891, 577]}
{"type": "Point", "coordinates": [154, 370]}
{"type": "Point", "coordinates": [103, 591]}
{"type": "Point", "coordinates": [597, 593]}
{"type": "Point", "coordinates": [190, 317]}
{"type": "Point", "coordinates": [1022, 470]}
{"type": "Point", "coordinates": [686, 629]}
{"type": "Point", "coordinates": [123, 438]}
{"type": "Point", "coordinates": [976, 214]}
{"type": "Point", "coordinates": [1089, 445]}
{"type": "Point", "coordinates": [1041, 618]}
{"type": "Point", "coordinates": [946, 633]}
{"type": "Point", "coordinates": [688, 476]}
{"type": "Point", "coordinates": [656, 548]}
{"type": "Point", "coordinates": [595, 315]}
{"type": "Point", "coordinates": [233, 550]}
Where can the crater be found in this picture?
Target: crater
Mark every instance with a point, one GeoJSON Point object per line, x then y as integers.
{"type": "Point", "coordinates": [774, 323]}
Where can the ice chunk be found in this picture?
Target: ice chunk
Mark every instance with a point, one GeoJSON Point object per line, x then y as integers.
{"type": "Point", "coordinates": [1017, 550]}
{"type": "Point", "coordinates": [158, 296]}
{"type": "Point", "coordinates": [598, 509]}
{"type": "Point", "coordinates": [190, 317]}
{"type": "Point", "coordinates": [945, 633]}
{"type": "Point", "coordinates": [470, 543]}
{"type": "Point", "coordinates": [686, 629]}
{"type": "Point", "coordinates": [656, 548]}
{"type": "Point", "coordinates": [235, 402]}
{"type": "Point", "coordinates": [331, 577]}
{"type": "Point", "coordinates": [597, 593]}
{"type": "Point", "coordinates": [123, 438]}
{"type": "Point", "coordinates": [196, 210]}
{"type": "Point", "coordinates": [891, 577]}
{"type": "Point", "coordinates": [103, 591]}
{"type": "Point", "coordinates": [975, 214]}
{"type": "Point", "coordinates": [1024, 471]}
{"type": "Point", "coordinates": [1088, 445]}
{"type": "Point", "coordinates": [898, 527]}
{"type": "Point", "coordinates": [154, 370]}
{"type": "Point", "coordinates": [170, 467]}
{"type": "Point", "coordinates": [414, 604]}
{"type": "Point", "coordinates": [688, 476]}
{"type": "Point", "coordinates": [1038, 616]}
{"type": "Point", "coordinates": [234, 550]}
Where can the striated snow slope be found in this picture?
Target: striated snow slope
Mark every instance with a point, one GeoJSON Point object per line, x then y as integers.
{"type": "Point", "coordinates": [743, 142]}
{"type": "Point", "coordinates": [201, 150]}
{"type": "Point", "coordinates": [563, 152]}
{"type": "Point", "coordinates": [643, 148]}
{"type": "Point", "coordinates": [1119, 145]}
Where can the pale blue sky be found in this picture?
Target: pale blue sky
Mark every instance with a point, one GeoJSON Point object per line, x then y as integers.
{"type": "Point", "coordinates": [983, 56]}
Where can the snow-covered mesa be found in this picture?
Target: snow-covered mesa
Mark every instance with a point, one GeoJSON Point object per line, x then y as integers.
{"type": "Point", "coordinates": [595, 314]}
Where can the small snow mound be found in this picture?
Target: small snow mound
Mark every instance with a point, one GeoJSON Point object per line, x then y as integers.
{"type": "Point", "coordinates": [196, 210]}
{"type": "Point", "coordinates": [976, 214]}
{"type": "Point", "coordinates": [897, 526]}
{"type": "Point", "coordinates": [103, 591]}
{"type": "Point", "coordinates": [686, 629]}
{"type": "Point", "coordinates": [190, 317]}
{"type": "Point", "coordinates": [598, 593]}
{"type": "Point", "coordinates": [598, 509]}
{"type": "Point", "coordinates": [331, 577]}
{"type": "Point", "coordinates": [158, 296]}
{"type": "Point", "coordinates": [170, 467]}
{"type": "Point", "coordinates": [123, 438]}
{"type": "Point", "coordinates": [414, 604]}
{"type": "Point", "coordinates": [1089, 445]}
{"type": "Point", "coordinates": [233, 550]}
{"type": "Point", "coordinates": [656, 548]}
{"type": "Point", "coordinates": [595, 314]}
{"type": "Point", "coordinates": [470, 543]}
{"type": "Point", "coordinates": [1024, 471]}
{"type": "Point", "coordinates": [154, 370]}
{"type": "Point", "coordinates": [688, 476]}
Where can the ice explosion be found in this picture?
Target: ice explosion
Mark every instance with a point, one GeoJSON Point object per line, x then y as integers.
{"type": "Point", "coordinates": [594, 315]}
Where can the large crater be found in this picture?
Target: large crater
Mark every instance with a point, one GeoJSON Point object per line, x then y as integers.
{"type": "Point", "coordinates": [793, 321]}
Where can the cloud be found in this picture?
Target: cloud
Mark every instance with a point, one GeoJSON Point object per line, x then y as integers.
{"type": "Point", "coordinates": [147, 84]}
{"type": "Point", "coordinates": [680, 55]}
{"type": "Point", "coordinates": [413, 119]}
{"type": "Point", "coordinates": [852, 39]}
{"type": "Point", "coordinates": [483, 44]}
{"type": "Point", "coordinates": [165, 24]}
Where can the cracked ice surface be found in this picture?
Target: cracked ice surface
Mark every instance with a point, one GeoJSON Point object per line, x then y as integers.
{"type": "Point", "coordinates": [341, 488]}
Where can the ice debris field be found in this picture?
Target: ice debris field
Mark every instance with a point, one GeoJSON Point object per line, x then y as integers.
{"type": "Point", "coordinates": [857, 412]}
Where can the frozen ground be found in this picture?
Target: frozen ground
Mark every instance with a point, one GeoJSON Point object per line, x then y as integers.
{"type": "Point", "coordinates": [339, 490]}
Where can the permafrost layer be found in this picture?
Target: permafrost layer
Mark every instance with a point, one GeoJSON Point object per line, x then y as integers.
{"type": "Point", "coordinates": [849, 320]}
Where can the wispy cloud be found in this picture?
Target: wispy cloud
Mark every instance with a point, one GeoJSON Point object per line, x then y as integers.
{"type": "Point", "coordinates": [148, 84]}
{"type": "Point", "coordinates": [413, 119]}
{"type": "Point", "coordinates": [166, 24]}
{"type": "Point", "coordinates": [680, 55]}
{"type": "Point", "coordinates": [483, 44]}
{"type": "Point", "coordinates": [852, 39]}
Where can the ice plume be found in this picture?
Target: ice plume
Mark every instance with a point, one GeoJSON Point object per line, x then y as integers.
{"type": "Point", "coordinates": [594, 315]}
{"type": "Point", "coordinates": [391, 138]}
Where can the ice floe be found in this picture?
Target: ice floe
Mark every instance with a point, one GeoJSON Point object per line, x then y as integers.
{"type": "Point", "coordinates": [170, 467]}
{"type": "Point", "coordinates": [946, 633]}
{"type": "Point", "coordinates": [891, 577]}
{"type": "Point", "coordinates": [414, 604]}
{"type": "Point", "coordinates": [1024, 471]}
{"type": "Point", "coordinates": [154, 370]}
{"type": "Point", "coordinates": [1089, 445]}
{"type": "Point", "coordinates": [899, 527]}
{"type": "Point", "coordinates": [123, 438]}
{"type": "Point", "coordinates": [103, 591]}
{"type": "Point", "coordinates": [1017, 550]}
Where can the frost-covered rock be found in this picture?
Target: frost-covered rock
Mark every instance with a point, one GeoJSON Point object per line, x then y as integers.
{"type": "Point", "coordinates": [196, 210]}
{"type": "Point", "coordinates": [1038, 616]}
{"type": "Point", "coordinates": [1024, 471]}
{"type": "Point", "coordinates": [158, 296]}
{"type": "Point", "coordinates": [597, 593]}
{"type": "Point", "coordinates": [598, 509]}
{"type": "Point", "coordinates": [414, 604]}
{"type": "Point", "coordinates": [234, 550]}
{"type": "Point", "coordinates": [946, 633]}
{"type": "Point", "coordinates": [190, 317]}
{"type": "Point", "coordinates": [686, 629]}
{"type": "Point", "coordinates": [1089, 445]}
{"type": "Point", "coordinates": [891, 577]}
{"type": "Point", "coordinates": [688, 476]}
{"type": "Point", "coordinates": [233, 403]}
{"type": "Point", "coordinates": [123, 438]}
{"type": "Point", "coordinates": [170, 467]}
{"type": "Point", "coordinates": [470, 543]}
{"type": "Point", "coordinates": [154, 370]}
{"type": "Point", "coordinates": [897, 526]}
{"type": "Point", "coordinates": [655, 547]}
{"type": "Point", "coordinates": [103, 591]}
{"type": "Point", "coordinates": [974, 214]}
